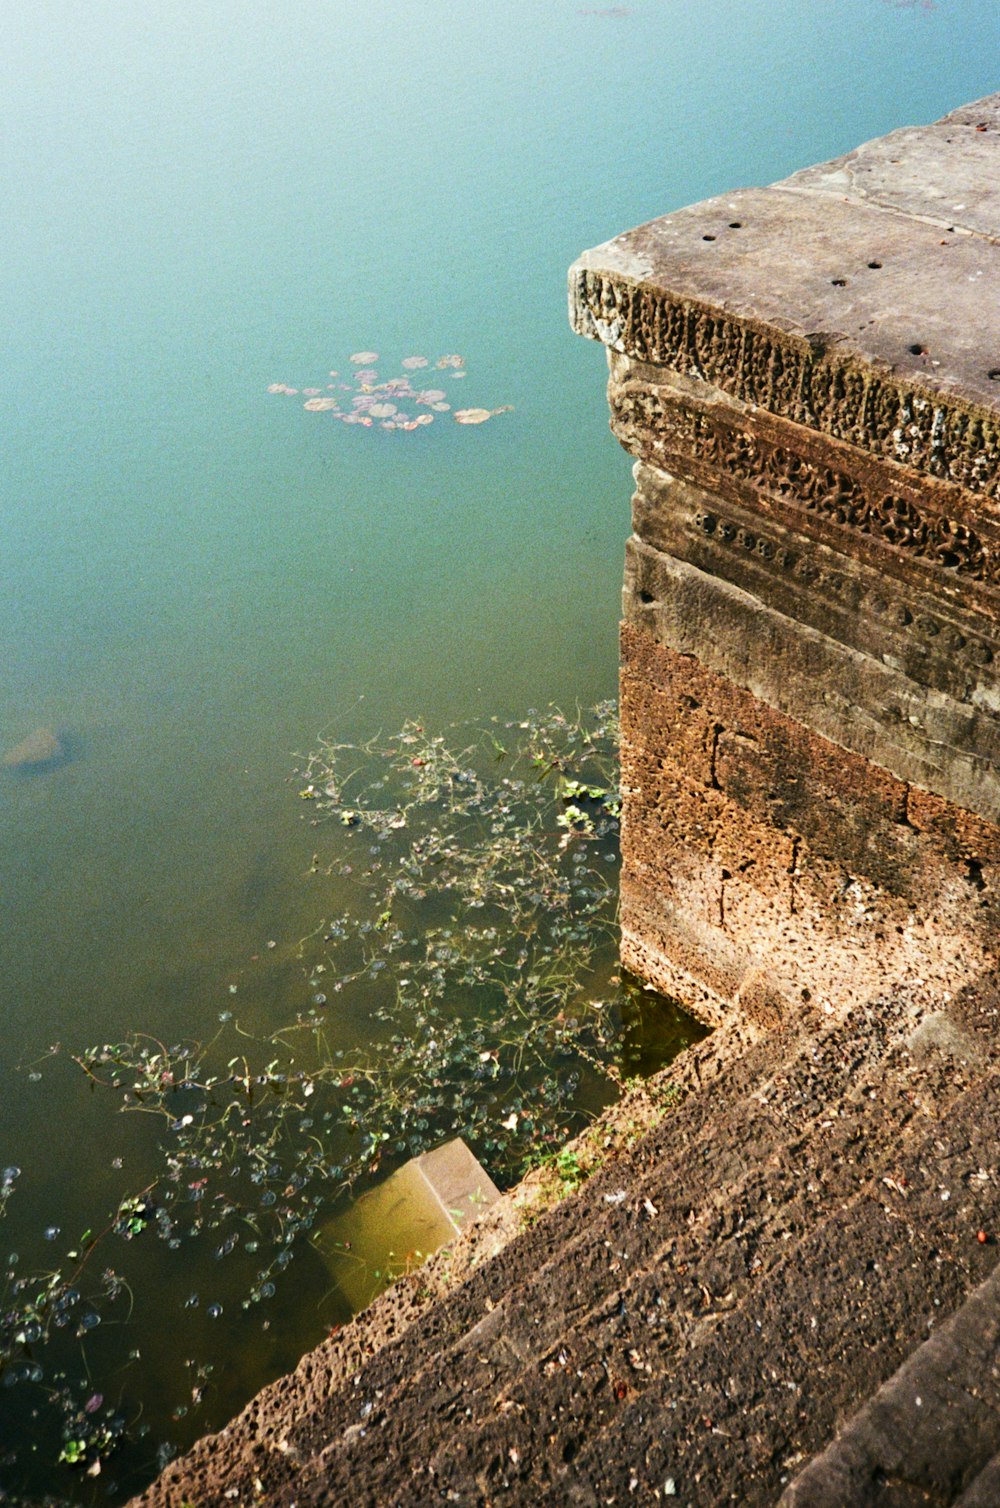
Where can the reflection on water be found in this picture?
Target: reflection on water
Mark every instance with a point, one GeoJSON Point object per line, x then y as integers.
{"type": "Point", "coordinates": [198, 577]}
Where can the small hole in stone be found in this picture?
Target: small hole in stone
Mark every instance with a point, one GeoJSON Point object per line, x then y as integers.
{"type": "Point", "coordinates": [807, 996]}
{"type": "Point", "coordinates": [916, 350]}
{"type": "Point", "coordinates": [646, 598]}
{"type": "Point", "coordinates": [708, 238]}
{"type": "Point", "coordinates": [975, 874]}
{"type": "Point", "coordinates": [839, 282]}
{"type": "Point", "coordinates": [874, 264]}
{"type": "Point", "coordinates": [994, 374]}
{"type": "Point", "coordinates": [736, 225]}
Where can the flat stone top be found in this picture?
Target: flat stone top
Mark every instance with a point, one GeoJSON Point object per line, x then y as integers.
{"type": "Point", "coordinates": [888, 257]}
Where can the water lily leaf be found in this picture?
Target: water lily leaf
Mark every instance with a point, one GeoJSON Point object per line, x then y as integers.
{"type": "Point", "coordinates": [472, 415]}
{"type": "Point", "coordinates": [363, 358]}
{"type": "Point", "coordinates": [413, 362]}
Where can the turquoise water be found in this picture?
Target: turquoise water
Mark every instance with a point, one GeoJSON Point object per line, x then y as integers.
{"type": "Point", "coordinates": [198, 576]}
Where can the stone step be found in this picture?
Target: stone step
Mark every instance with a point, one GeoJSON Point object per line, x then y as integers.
{"type": "Point", "coordinates": [929, 1431]}
{"type": "Point", "coordinates": [770, 1138]}
{"type": "Point", "coordinates": [277, 1432]}
{"type": "Point", "coordinates": [984, 1492]}
{"type": "Point", "coordinates": [532, 1331]}
{"type": "Point", "coordinates": [759, 1386]}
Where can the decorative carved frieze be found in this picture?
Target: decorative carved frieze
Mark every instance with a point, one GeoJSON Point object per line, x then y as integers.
{"type": "Point", "coordinates": [944, 647]}
{"type": "Point", "coordinates": [793, 378]}
{"type": "Point", "coordinates": [880, 602]}
{"type": "Point", "coordinates": [825, 495]}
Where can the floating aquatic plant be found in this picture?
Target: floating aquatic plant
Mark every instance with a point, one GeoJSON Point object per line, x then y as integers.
{"type": "Point", "coordinates": [392, 403]}
{"type": "Point", "coordinates": [464, 983]}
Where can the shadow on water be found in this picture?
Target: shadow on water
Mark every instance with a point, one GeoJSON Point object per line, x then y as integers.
{"type": "Point", "coordinates": [654, 1028]}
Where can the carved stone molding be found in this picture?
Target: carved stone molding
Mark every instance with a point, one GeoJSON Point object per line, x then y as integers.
{"type": "Point", "coordinates": [794, 379]}
{"type": "Point", "coordinates": [944, 647]}
{"type": "Point", "coordinates": [931, 535]}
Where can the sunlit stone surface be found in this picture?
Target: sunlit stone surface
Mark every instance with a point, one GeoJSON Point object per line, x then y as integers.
{"type": "Point", "coordinates": [809, 378]}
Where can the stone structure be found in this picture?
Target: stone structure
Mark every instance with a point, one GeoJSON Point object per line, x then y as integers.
{"type": "Point", "coordinates": [777, 1281]}
{"type": "Point", "coordinates": [809, 379]}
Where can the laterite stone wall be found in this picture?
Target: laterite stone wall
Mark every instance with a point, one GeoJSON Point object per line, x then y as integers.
{"type": "Point", "coordinates": [808, 377]}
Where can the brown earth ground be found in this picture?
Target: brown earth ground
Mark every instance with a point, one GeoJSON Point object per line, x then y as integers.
{"type": "Point", "coordinates": [764, 1275]}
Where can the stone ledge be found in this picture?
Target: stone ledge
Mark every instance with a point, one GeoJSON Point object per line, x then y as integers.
{"type": "Point", "coordinates": [868, 323]}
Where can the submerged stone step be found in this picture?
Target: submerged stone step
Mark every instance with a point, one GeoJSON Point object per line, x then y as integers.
{"type": "Point", "coordinates": [393, 1228]}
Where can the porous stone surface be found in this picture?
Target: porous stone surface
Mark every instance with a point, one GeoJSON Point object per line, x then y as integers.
{"type": "Point", "coordinates": [929, 1427]}
{"type": "Point", "coordinates": [809, 379]}
{"type": "Point", "coordinates": [768, 1231]}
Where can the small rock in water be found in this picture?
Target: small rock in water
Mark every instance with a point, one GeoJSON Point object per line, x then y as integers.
{"type": "Point", "coordinates": [36, 752]}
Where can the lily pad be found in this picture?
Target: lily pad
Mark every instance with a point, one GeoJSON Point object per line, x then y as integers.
{"type": "Point", "coordinates": [472, 415]}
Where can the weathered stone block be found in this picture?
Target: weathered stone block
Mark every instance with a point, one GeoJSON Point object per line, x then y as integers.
{"type": "Point", "coordinates": [808, 378]}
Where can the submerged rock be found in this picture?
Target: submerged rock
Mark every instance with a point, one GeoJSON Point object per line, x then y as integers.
{"type": "Point", "coordinates": [39, 751]}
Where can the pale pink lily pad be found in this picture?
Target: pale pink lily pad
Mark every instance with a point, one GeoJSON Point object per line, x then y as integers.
{"type": "Point", "coordinates": [382, 410]}
{"type": "Point", "coordinates": [472, 415]}
{"type": "Point", "coordinates": [368, 375]}
{"type": "Point", "coordinates": [451, 361]}
{"type": "Point", "coordinates": [441, 408]}
{"type": "Point", "coordinates": [431, 395]}
{"type": "Point", "coordinates": [312, 392]}
{"type": "Point", "coordinates": [321, 405]}
{"type": "Point", "coordinates": [424, 419]}
{"type": "Point", "coordinates": [363, 358]}
{"type": "Point", "coordinates": [413, 362]}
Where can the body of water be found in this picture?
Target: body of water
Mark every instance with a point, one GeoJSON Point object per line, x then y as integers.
{"type": "Point", "coordinates": [198, 575]}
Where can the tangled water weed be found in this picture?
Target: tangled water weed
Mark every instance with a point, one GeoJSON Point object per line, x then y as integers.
{"type": "Point", "coordinates": [466, 984]}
